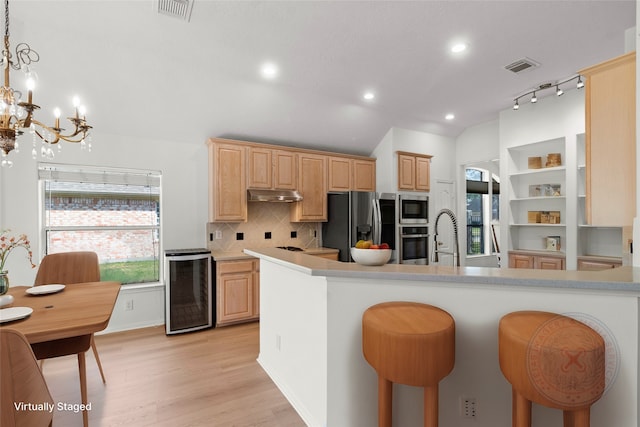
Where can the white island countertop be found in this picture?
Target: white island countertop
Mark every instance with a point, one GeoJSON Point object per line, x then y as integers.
{"type": "Point", "coordinates": [626, 279]}
{"type": "Point", "coordinates": [311, 335]}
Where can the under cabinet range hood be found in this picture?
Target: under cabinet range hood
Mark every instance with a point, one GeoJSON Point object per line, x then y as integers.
{"type": "Point", "coordinates": [273, 196]}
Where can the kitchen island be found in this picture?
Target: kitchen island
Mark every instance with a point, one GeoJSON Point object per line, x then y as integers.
{"type": "Point", "coordinates": [310, 335]}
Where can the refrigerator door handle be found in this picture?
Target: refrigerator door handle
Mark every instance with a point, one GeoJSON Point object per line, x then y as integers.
{"type": "Point", "coordinates": [377, 222]}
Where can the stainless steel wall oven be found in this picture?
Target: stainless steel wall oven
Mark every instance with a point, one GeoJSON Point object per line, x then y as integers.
{"type": "Point", "coordinates": [414, 245]}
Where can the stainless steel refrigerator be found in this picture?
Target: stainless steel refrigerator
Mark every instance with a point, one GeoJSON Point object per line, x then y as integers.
{"type": "Point", "coordinates": [359, 215]}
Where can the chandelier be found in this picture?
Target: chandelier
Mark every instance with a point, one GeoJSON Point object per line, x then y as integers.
{"type": "Point", "coordinates": [17, 114]}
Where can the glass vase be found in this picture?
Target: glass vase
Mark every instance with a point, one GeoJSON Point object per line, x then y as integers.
{"type": "Point", "coordinates": [4, 282]}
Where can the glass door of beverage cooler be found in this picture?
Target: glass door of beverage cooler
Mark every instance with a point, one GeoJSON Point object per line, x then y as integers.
{"type": "Point", "coordinates": [188, 290]}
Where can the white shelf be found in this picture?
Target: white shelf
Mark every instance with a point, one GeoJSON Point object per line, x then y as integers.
{"type": "Point", "coordinates": [541, 171]}
{"type": "Point", "coordinates": [538, 198]}
{"type": "Point", "coordinates": [536, 224]}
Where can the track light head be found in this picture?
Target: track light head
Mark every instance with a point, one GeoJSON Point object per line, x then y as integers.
{"type": "Point", "coordinates": [580, 84]}
{"type": "Point", "coordinates": [516, 105]}
{"type": "Point", "coordinates": [534, 98]}
{"type": "Point", "coordinates": [559, 92]}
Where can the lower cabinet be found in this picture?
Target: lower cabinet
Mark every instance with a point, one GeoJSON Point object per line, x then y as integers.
{"type": "Point", "coordinates": [590, 264]}
{"type": "Point", "coordinates": [237, 291]}
{"type": "Point", "coordinates": [536, 260]}
{"type": "Point", "coordinates": [332, 256]}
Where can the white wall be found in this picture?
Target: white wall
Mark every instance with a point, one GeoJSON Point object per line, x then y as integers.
{"type": "Point", "coordinates": [184, 204]}
{"type": "Point", "coordinates": [475, 145]}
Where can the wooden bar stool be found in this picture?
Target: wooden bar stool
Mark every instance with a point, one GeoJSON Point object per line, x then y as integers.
{"type": "Point", "coordinates": [408, 343]}
{"type": "Point", "coordinates": [554, 361]}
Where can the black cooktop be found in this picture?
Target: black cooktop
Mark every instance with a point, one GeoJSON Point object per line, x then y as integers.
{"type": "Point", "coordinates": [290, 248]}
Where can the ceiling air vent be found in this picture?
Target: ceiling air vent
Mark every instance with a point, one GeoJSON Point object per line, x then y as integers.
{"type": "Point", "coordinates": [522, 65]}
{"type": "Point", "coordinates": [180, 9]}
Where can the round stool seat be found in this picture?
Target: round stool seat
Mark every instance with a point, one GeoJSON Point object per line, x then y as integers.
{"type": "Point", "coordinates": [552, 360]}
{"type": "Point", "coordinates": [409, 343]}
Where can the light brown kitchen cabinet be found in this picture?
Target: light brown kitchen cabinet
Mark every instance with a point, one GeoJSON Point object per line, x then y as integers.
{"type": "Point", "coordinates": [227, 183]}
{"type": "Point", "coordinates": [364, 175]}
{"type": "Point", "coordinates": [414, 171]}
{"type": "Point", "coordinates": [271, 169]}
{"type": "Point", "coordinates": [548, 263]}
{"type": "Point", "coordinates": [585, 264]}
{"type": "Point", "coordinates": [536, 260]}
{"type": "Point", "coordinates": [351, 174]}
{"type": "Point", "coordinates": [331, 256]}
{"type": "Point", "coordinates": [312, 185]}
{"type": "Point", "coordinates": [237, 291]}
{"type": "Point", "coordinates": [339, 173]}
{"type": "Point", "coordinates": [520, 261]}
{"type": "Point", "coordinates": [610, 141]}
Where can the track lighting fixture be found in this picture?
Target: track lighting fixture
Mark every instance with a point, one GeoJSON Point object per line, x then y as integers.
{"type": "Point", "coordinates": [544, 86]}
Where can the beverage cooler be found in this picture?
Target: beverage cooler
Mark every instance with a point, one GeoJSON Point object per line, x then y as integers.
{"type": "Point", "coordinates": [188, 287]}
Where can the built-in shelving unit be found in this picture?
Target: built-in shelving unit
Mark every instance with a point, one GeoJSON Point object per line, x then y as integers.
{"type": "Point", "coordinates": [581, 245]}
{"type": "Point", "coordinates": [533, 190]}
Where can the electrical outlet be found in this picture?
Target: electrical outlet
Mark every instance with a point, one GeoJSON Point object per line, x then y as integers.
{"type": "Point", "coordinates": [218, 234]}
{"type": "Point", "coordinates": [467, 407]}
{"type": "Point", "coordinates": [312, 232]}
{"type": "Point", "coordinates": [129, 305]}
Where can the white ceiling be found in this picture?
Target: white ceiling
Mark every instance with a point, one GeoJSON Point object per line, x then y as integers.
{"type": "Point", "coordinates": [146, 74]}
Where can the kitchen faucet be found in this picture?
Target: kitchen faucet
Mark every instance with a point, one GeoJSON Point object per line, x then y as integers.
{"type": "Point", "coordinates": [454, 221]}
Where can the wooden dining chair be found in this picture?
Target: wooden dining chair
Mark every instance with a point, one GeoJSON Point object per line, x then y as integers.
{"type": "Point", "coordinates": [68, 268]}
{"type": "Point", "coordinates": [21, 382]}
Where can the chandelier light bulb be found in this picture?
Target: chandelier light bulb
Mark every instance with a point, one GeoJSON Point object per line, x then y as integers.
{"type": "Point", "coordinates": [76, 101]}
{"type": "Point", "coordinates": [57, 113]}
{"type": "Point", "coordinates": [82, 110]}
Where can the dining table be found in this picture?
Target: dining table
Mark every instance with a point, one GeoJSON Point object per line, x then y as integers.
{"type": "Point", "coordinates": [63, 321]}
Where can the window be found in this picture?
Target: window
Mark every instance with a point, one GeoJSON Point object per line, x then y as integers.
{"type": "Point", "coordinates": [113, 212]}
{"type": "Point", "coordinates": [483, 206]}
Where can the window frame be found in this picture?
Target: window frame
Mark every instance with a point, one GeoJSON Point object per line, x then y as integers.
{"type": "Point", "coordinates": [136, 175]}
{"type": "Point", "coordinates": [492, 182]}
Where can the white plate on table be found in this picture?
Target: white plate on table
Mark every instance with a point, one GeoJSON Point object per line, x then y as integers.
{"type": "Point", "coordinates": [45, 289]}
{"type": "Point", "coordinates": [14, 313]}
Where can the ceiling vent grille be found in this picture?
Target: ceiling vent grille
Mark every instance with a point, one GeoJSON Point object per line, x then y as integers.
{"type": "Point", "coordinates": [180, 9]}
{"type": "Point", "coordinates": [522, 65]}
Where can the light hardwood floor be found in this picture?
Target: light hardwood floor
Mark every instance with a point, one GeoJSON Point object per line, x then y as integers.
{"type": "Point", "coordinates": [206, 378]}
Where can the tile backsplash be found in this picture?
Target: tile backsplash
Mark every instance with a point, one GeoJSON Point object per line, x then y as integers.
{"type": "Point", "coordinates": [264, 219]}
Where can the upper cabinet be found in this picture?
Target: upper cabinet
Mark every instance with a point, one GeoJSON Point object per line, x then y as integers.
{"type": "Point", "coordinates": [414, 171]}
{"type": "Point", "coordinates": [271, 169]}
{"type": "Point", "coordinates": [364, 175]}
{"type": "Point", "coordinates": [351, 174]}
{"type": "Point", "coordinates": [227, 184]}
{"type": "Point", "coordinates": [236, 166]}
{"type": "Point", "coordinates": [611, 141]}
{"type": "Point", "coordinates": [312, 184]}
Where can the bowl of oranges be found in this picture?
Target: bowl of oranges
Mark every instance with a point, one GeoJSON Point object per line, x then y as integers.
{"type": "Point", "coordinates": [367, 253]}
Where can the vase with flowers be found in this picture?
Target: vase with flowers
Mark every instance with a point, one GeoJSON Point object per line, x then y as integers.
{"type": "Point", "coordinates": [8, 243]}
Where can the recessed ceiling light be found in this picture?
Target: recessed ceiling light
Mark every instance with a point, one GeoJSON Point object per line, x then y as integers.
{"type": "Point", "coordinates": [458, 47]}
{"type": "Point", "coordinates": [269, 70]}
{"type": "Point", "coordinates": [450, 116]}
{"type": "Point", "coordinates": [369, 96]}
